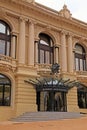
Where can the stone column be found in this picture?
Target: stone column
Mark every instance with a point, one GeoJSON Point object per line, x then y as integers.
{"type": "Point", "coordinates": [74, 62]}
{"type": "Point", "coordinates": [36, 51]}
{"type": "Point", "coordinates": [21, 49]}
{"type": "Point", "coordinates": [13, 46]}
{"type": "Point", "coordinates": [70, 54]}
{"type": "Point", "coordinates": [57, 54]}
{"type": "Point", "coordinates": [31, 43]}
{"type": "Point", "coordinates": [63, 53]}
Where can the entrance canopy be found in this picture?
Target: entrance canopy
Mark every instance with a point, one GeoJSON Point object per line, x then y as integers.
{"type": "Point", "coordinates": [55, 84]}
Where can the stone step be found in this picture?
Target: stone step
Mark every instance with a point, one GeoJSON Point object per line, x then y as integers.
{"type": "Point", "coordinates": [46, 116]}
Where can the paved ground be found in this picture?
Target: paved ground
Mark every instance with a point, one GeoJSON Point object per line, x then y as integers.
{"type": "Point", "coordinates": [67, 124]}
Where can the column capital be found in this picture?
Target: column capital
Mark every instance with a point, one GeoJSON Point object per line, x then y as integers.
{"type": "Point", "coordinates": [64, 32]}
{"type": "Point", "coordinates": [31, 21]}
{"type": "Point", "coordinates": [13, 34]}
{"type": "Point", "coordinates": [24, 19]}
{"type": "Point", "coordinates": [56, 45]}
{"type": "Point", "coordinates": [70, 34]}
{"type": "Point", "coordinates": [36, 39]}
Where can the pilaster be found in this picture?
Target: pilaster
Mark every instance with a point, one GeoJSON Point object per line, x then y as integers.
{"type": "Point", "coordinates": [36, 51]}
{"type": "Point", "coordinates": [21, 49]}
{"type": "Point", "coordinates": [63, 52]}
{"type": "Point", "coordinates": [70, 54]}
{"type": "Point", "coordinates": [13, 45]}
{"type": "Point", "coordinates": [31, 43]}
{"type": "Point", "coordinates": [56, 54]}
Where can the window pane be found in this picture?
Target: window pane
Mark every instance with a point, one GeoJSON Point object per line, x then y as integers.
{"type": "Point", "coordinates": [47, 57]}
{"type": "Point", "coordinates": [81, 100]}
{"type": "Point", "coordinates": [84, 62]}
{"type": "Point", "coordinates": [2, 28]}
{"type": "Point", "coordinates": [51, 58]}
{"type": "Point", "coordinates": [8, 49]}
{"type": "Point", "coordinates": [1, 94]}
{"type": "Point", "coordinates": [43, 42]}
{"type": "Point", "coordinates": [81, 64]}
{"type": "Point", "coordinates": [7, 95]}
{"type": "Point", "coordinates": [79, 49]}
{"type": "Point", "coordinates": [2, 47]}
{"type": "Point", "coordinates": [41, 56]}
{"type": "Point", "coordinates": [5, 91]}
{"type": "Point", "coordinates": [77, 64]}
{"type": "Point", "coordinates": [8, 31]}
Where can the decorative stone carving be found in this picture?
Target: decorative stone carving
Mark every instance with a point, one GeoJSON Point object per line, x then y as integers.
{"type": "Point", "coordinates": [7, 68]}
{"type": "Point", "coordinates": [29, 1]}
{"type": "Point", "coordinates": [2, 12]}
{"type": "Point", "coordinates": [65, 12]}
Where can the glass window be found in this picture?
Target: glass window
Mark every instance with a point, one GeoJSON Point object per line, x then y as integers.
{"type": "Point", "coordinates": [5, 91]}
{"type": "Point", "coordinates": [2, 47]}
{"type": "Point", "coordinates": [41, 56]}
{"type": "Point", "coordinates": [82, 99]}
{"type": "Point", "coordinates": [5, 38]}
{"type": "Point", "coordinates": [47, 57]}
{"type": "Point", "coordinates": [81, 65]}
{"type": "Point", "coordinates": [80, 58]}
{"type": "Point", "coordinates": [2, 28]}
{"type": "Point", "coordinates": [77, 64]}
{"type": "Point", "coordinates": [45, 47]}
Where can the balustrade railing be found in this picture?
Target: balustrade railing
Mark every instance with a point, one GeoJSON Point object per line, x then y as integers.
{"type": "Point", "coordinates": [44, 67]}
{"type": "Point", "coordinates": [7, 60]}
{"type": "Point", "coordinates": [81, 73]}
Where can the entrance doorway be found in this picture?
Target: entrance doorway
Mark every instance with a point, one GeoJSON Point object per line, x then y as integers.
{"type": "Point", "coordinates": [51, 101]}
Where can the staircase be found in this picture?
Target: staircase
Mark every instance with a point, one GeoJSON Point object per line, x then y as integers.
{"type": "Point", "coordinates": [45, 116]}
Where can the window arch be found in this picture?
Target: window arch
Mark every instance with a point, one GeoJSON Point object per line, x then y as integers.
{"type": "Point", "coordinates": [5, 38]}
{"type": "Point", "coordinates": [80, 58]}
{"type": "Point", "coordinates": [5, 91]}
{"type": "Point", "coordinates": [45, 48]}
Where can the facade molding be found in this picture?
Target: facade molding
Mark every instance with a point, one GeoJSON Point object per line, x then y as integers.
{"type": "Point", "coordinates": [36, 38]}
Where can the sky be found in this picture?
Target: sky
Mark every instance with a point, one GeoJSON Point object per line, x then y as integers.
{"type": "Point", "coordinates": [78, 8]}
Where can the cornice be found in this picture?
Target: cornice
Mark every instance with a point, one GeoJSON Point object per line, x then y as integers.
{"type": "Point", "coordinates": [47, 12]}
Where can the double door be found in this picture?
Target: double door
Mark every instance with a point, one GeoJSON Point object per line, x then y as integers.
{"type": "Point", "coordinates": [51, 101]}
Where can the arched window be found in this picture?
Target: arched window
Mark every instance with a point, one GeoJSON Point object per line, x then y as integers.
{"type": "Point", "coordinates": [45, 48]}
{"type": "Point", "coordinates": [80, 58]}
{"type": "Point", "coordinates": [5, 91]}
{"type": "Point", "coordinates": [5, 38]}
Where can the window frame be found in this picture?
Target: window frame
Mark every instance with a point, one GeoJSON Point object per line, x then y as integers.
{"type": "Point", "coordinates": [47, 49]}
{"type": "Point", "coordinates": [78, 58]}
{"type": "Point", "coordinates": [5, 101]}
{"type": "Point", "coordinates": [6, 38]}
{"type": "Point", "coordinates": [82, 94]}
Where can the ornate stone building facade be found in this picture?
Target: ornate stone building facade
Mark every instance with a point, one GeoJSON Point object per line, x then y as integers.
{"type": "Point", "coordinates": [32, 38]}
